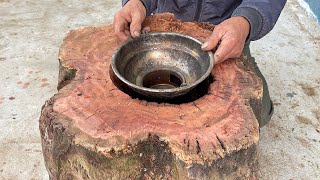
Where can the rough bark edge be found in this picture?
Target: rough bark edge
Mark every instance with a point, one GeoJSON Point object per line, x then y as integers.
{"type": "Point", "coordinates": [66, 75]}
{"type": "Point", "coordinates": [149, 158]}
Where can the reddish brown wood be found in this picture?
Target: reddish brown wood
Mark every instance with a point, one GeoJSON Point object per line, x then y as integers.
{"type": "Point", "coordinates": [90, 129]}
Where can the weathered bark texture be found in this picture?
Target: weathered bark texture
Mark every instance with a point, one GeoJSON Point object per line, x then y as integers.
{"type": "Point", "coordinates": [92, 130]}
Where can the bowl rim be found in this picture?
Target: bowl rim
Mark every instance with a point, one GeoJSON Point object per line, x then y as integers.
{"type": "Point", "coordinates": [177, 89]}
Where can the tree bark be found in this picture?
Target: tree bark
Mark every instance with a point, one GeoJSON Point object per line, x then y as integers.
{"type": "Point", "coordinates": [92, 130]}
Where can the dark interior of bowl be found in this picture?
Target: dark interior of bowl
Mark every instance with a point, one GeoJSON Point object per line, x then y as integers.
{"type": "Point", "coordinates": [162, 61]}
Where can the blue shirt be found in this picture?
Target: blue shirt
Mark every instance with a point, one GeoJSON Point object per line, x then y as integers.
{"type": "Point", "coordinates": [261, 14]}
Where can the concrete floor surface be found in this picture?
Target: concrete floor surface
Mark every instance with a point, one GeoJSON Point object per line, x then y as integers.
{"type": "Point", "coordinates": [289, 57]}
{"type": "Point", "coordinates": [32, 31]}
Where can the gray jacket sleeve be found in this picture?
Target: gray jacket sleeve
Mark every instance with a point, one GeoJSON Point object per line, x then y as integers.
{"type": "Point", "coordinates": [150, 5]}
{"type": "Point", "coordinates": [261, 14]}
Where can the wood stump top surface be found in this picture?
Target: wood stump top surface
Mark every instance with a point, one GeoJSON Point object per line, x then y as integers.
{"type": "Point", "coordinates": [105, 118]}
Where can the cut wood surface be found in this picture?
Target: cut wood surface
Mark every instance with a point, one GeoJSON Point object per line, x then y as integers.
{"type": "Point", "coordinates": [92, 130]}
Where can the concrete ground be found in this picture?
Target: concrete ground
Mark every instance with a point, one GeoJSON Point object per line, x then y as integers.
{"type": "Point", "coordinates": [31, 32]}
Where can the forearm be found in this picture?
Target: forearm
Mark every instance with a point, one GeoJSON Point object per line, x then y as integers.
{"type": "Point", "coordinates": [261, 14]}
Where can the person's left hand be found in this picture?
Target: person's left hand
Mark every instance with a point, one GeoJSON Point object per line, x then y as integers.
{"type": "Point", "coordinates": [231, 34]}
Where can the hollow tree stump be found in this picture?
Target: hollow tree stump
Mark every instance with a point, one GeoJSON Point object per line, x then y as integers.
{"type": "Point", "coordinates": [92, 130]}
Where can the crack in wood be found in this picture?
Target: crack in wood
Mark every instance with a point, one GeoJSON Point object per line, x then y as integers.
{"type": "Point", "coordinates": [196, 106]}
{"type": "Point", "coordinates": [221, 143]}
{"type": "Point", "coordinates": [198, 147]}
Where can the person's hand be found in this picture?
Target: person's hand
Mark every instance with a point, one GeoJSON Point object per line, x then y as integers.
{"type": "Point", "coordinates": [230, 37]}
{"type": "Point", "coordinates": [127, 22]}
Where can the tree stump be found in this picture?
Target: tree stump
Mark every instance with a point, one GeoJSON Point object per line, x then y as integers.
{"type": "Point", "coordinates": [92, 130]}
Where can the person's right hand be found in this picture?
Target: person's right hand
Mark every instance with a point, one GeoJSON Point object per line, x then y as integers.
{"type": "Point", "coordinates": [127, 22]}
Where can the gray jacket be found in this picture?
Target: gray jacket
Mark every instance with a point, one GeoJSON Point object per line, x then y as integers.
{"type": "Point", "coordinates": [261, 14]}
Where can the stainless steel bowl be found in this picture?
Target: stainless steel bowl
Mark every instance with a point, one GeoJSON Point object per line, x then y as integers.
{"type": "Point", "coordinates": [162, 65]}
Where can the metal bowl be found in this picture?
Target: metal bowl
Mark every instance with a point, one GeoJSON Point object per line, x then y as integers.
{"type": "Point", "coordinates": [162, 65]}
